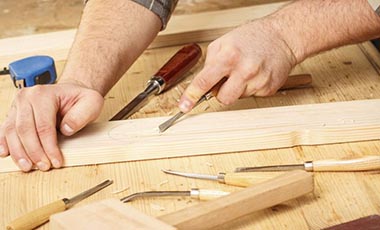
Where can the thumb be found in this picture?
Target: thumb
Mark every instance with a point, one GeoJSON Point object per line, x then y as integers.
{"type": "Point", "coordinates": [84, 111]}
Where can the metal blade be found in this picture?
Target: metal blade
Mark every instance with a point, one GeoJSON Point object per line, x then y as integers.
{"type": "Point", "coordinates": [72, 201]}
{"type": "Point", "coordinates": [164, 126]}
{"type": "Point", "coordinates": [153, 194]}
{"type": "Point", "coordinates": [270, 168]}
{"type": "Point", "coordinates": [167, 124]}
{"type": "Point", "coordinates": [132, 107]}
{"type": "Point", "coordinates": [192, 175]}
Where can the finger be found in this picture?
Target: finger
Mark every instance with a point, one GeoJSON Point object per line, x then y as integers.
{"type": "Point", "coordinates": [45, 120]}
{"type": "Point", "coordinates": [233, 89]}
{"type": "Point", "coordinates": [203, 82]}
{"type": "Point", "coordinates": [258, 86]}
{"type": "Point", "coordinates": [15, 147]}
{"type": "Point", "coordinates": [26, 130]}
{"type": "Point", "coordinates": [3, 143]}
{"type": "Point", "coordinates": [84, 111]}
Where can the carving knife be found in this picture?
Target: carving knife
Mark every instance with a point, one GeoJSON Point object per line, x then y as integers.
{"type": "Point", "coordinates": [172, 72]}
{"type": "Point", "coordinates": [294, 81]}
{"type": "Point", "coordinates": [195, 193]}
{"type": "Point", "coordinates": [41, 215]}
{"type": "Point", "coordinates": [366, 163]}
{"type": "Point", "coordinates": [235, 179]}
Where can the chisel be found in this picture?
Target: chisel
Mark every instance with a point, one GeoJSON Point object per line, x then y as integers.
{"type": "Point", "coordinates": [41, 215]}
{"type": "Point", "coordinates": [172, 72]}
{"type": "Point", "coordinates": [195, 193]}
{"type": "Point", "coordinates": [294, 81]}
{"type": "Point", "coordinates": [366, 163]}
{"type": "Point", "coordinates": [235, 179]}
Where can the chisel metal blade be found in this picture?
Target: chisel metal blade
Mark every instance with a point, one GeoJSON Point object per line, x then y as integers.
{"type": "Point", "coordinates": [136, 104]}
{"type": "Point", "coordinates": [271, 168]}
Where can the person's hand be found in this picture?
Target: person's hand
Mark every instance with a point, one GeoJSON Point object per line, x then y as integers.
{"type": "Point", "coordinates": [29, 133]}
{"type": "Point", "coordinates": [255, 59]}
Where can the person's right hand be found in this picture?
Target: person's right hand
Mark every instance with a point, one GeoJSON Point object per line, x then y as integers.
{"type": "Point", "coordinates": [29, 133]}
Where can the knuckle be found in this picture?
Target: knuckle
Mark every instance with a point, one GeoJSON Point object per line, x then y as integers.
{"type": "Point", "coordinates": [202, 83]}
{"type": "Point", "coordinates": [22, 128]}
{"type": "Point", "coordinates": [8, 127]}
{"type": "Point", "coordinates": [45, 129]}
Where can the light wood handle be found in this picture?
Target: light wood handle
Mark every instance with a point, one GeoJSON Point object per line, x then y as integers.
{"type": "Point", "coordinates": [205, 194]}
{"type": "Point", "coordinates": [245, 179]}
{"type": "Point", "coordinates": [357, 164]}
{"type": "Point", "coordinates": [37, 217]}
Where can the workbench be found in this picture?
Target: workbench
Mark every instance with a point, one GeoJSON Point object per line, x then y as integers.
{"type": "Point", "coordinates": [344, 74]}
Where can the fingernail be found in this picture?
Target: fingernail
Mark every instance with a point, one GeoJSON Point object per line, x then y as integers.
{"type": "Point", "coordinates": [24, 165]}
{"type": "Point", "coordinates": [43, 166]}
{"type": "Point", "coordinates": [56, 163]}
{"type": "Point", "coordinates": [185, 105]}
{"type": "Point", "coordinates": [67, 129]}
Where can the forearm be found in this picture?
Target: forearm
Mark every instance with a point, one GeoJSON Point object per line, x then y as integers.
{"type": "Point", "coordinates": [109, 39]}
{"type": "Point", "coordinates": [313, 26]}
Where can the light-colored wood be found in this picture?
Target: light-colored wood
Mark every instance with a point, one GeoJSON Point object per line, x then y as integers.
{"type": "Point", "coordinates": [338, 197]}
{"type": "Point", "coordinates": [107, 214]}
{"type": "Point", "coordinates": [181, 29]}
{"type": "Point", "coordinates": [221, 210]}
{"type": "Point", "coordinates": [357, 164]}
{"type": "Point", "coordinates": [37, 217]}
{"type": "Point", "coordinates": [208, 194]}
{"type": "Point", "coordinates": [248, 178]}
{"type": "Point", "coordinates": [208, 133]}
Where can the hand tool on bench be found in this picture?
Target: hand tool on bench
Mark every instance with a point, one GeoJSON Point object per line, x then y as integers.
{"type": "Point", "coordinates": [235, 179]}
{"type": "Point", "coordinates": [195, 193]}
{"type": "Point", "coordinates": [365, 223]}
{"type": "Point", "coordinates": [41, 215]}
{"type": "Point", "coordinates": [30, 71]}
{"type": "Point", "coordinates": [205, 215]}
{"type": "Point", "coordinates": [172, 72]}
{"type": "Point", "coordinates": [294, 81]}
{"type": "Point", "coordinates": [365, 163]}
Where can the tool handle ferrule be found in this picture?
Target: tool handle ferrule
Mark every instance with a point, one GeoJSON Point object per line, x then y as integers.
{"type": "Point", "coordinates": [37, 217]}
{"type": "Point", "coordinates": [356, 164]}
{"type": "Point", "coordinates": [174, 70]}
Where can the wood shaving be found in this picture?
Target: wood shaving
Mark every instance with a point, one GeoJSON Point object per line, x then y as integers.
{"type": "Point", "coordinates": [163, 182]}
{"type": "Point", "coordinates": [209, 164]}
{"type": "Point", "coordinates": [206, 108]}
{"type": "Point", "coordinates": [283, 92]}
{"type": "Point", "coordinates": [121, 190]}
{"type": "Point", "coordinates": [157, 207]}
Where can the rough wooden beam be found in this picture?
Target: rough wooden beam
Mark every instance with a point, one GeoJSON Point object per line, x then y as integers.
{"type": "Point", "coordinates": [221, 132]}
{"type": "Point", "coordinates": [181, 29]}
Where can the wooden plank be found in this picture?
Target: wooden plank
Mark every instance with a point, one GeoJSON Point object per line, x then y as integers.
{"type": "Point", "coordinates": [181, 29]}
{"type": "Point", "coordinates": [216, 212]}
{"type": "Point", "coordinates": [221, 132]}
{"type": "Point", "coordinates": [107, 214]}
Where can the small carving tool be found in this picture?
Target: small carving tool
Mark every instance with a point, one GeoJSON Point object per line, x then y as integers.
{"type": "Point", "coordinates": [195, 193]}
{"type": "Point", "coordinates": [294, 81]}
{"type": "Point", "coordinates": [41, 215]}
{"type": "Point", "coordinates": [366, 163]}
{"type": "Point", "coordinates": [235, 179]}
{"type": "Point", "coordinates": [171, 73]}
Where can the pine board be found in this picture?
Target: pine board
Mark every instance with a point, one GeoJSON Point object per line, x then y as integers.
{"type": "Point", "coordinates": [182, 29]}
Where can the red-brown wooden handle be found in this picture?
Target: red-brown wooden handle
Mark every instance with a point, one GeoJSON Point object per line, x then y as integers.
{"type": "Point", "coordinates": [174, 70]}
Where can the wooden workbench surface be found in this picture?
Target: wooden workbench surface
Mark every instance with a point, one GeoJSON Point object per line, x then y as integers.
{"type": "Point", "coordinates": [348, 73]}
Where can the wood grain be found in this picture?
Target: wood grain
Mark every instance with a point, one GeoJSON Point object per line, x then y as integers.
{"type": "Point", "coordinates": [213, 213]}
{"type": "Point", "coordinates": [221, 132]}
{"type": "Point", "coordinates": [107, 214]}
{"type": "Point", "coordinates": [181, 29]}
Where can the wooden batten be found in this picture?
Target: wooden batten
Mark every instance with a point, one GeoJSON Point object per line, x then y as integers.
{"type": "Point", "coordinates": [221, 132]}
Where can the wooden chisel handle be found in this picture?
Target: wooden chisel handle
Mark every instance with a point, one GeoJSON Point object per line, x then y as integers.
{"type": "Point", "coordinates": [207, 194]}
{"type": "Point", "coordinates": [248, 178]}
{"type": "Point", "coordinates": [37, 217]}
{"type": "Point", "coordinates": [357, 164]}
{"type": "Point", "coordinates": [174, 70]}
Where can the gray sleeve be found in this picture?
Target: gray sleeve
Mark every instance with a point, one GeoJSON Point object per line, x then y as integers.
{"type": "Point", "coordinates": [162, 8]}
